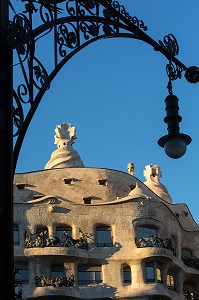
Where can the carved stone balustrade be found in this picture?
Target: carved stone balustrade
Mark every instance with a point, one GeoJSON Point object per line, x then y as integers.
{"type": "Point", "coordinates": [42, 240]}
{"type": "Point", "coordinates": [191, 262]}
{"type": "Point", "coordinates": [154, 241]}
{"type": "Point", "coordinates": [42, 281]}
{"type": "Point", "coordinates": [190, 295]}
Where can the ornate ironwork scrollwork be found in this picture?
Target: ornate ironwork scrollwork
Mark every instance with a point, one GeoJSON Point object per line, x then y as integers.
{"type": "Point", "coordinates": [41, 239]}
{"type": "Point", "coordinates": [40, 76]}
{"type": "Point", "coordinates": [89, 6]}
{"type": "Point", "coordinates": [19, 34]}
{"type": "Point", "coordinates": [121, 9]}
{"type": "Point", "coordinates": [70, 7]}
{"type": "Point", "coordinates": [173, 71]}
{"type": "Point", "coordinates": [170, 44]}
{"type": "Point", "coordinates": [191, 262]}
{"type": "Point", "coordinates": [18, 116]}
{"type": "Point", "coordinates": [155, 241]}
{"type": "Point", "coordinates": [89, 29]}
{"type": "Point", "coordinates": [43, 281]}
{"type": "Point", "coordinates": [66, 38]}
{"type": "Point", "coordinates": [50, 5]}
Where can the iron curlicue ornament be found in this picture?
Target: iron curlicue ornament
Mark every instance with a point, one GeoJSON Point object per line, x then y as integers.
{"type": "Point", "coordinates": [170, 44]}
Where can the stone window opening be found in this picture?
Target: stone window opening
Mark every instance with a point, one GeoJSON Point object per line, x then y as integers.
{"type": "Point", "coordinates": [16, 235]}
{"type": "Point", "coordinates": [146, 231]}
{"type": "Point", "coordinates": [171, 281]}
{"type": "Point", "coordinates": [126, 274]}
{"type": "Point", "coordinates": [61, 230]}
{"type": "Point", "coordinates": [104, 236]}
{"type": "Point", "coordinates": [87, 200]}
{"type": "Point", "coordinates": [57, 271]}
{"type": "Point", "coordinates": [20, 186]}
{"type": "Point", "coordinates": [21, 274]}
{"type": "Point", "coordinates": [132, 186]}
{"type": "Point", "coordinates": [153, 272]}
{"type": "Point", "coordinates": [102, 182]}
{"type": "Point", "coordinates": [68, 180]}
{"type": "Point", "coordinates": [89, 274]}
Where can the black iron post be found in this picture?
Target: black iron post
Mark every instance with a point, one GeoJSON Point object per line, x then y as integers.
{"type": "Point", "coordinates": [6, 154]}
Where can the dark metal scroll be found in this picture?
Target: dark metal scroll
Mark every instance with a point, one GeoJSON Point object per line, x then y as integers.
{"type": "Point", "coordinates": [71, 25]}
{"type": "Point", "coordinates": [43, 281]}
{"type": "Point", "coordinates": [41, 239]}
{"type": "Point", "coordinates": [188, 295]}
{"type": "Point", "coordinates": [155, 241]}
{"type": "Point", "coordinates": [191, 262]}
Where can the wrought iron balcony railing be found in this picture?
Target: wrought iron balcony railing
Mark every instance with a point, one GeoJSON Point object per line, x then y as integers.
{"type": "Point", "coordinates": [154, 241]}
{"type": "Point", "coordinates": [190, 295]}
{"type": "Point", "coordinates": [42, 240]}
{"type": "Point", "coordinates": [191, 262]}
{"type": "Point", "coordinates": [42, 281]}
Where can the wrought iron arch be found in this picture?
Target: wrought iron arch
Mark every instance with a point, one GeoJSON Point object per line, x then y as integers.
{"type": "Point", "coordinates": [74, 25]}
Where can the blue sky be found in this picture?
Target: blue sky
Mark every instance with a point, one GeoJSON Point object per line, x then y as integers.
{"type": "Point", "coordinates": [113, 92]}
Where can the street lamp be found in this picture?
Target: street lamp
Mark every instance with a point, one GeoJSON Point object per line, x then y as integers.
{"type": "Point", "coordinates": [174, 143]}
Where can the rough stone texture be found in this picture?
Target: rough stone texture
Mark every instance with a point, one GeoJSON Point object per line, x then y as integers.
{"type": "Point", "coordinates": [55, 197]}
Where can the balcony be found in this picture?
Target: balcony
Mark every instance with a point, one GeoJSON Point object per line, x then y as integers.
{"type": "Point", "coordinates": [42, 281]}
{"type": "Point", "coordinates": [190, 295]}
{"type": "Point", "coordinates": [42, 240]}
{"type": "Point", "coordinates": [191, 262]}
{"type": "Point", "coordinates": [156, 242]}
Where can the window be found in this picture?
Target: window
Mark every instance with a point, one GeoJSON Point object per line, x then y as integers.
{"type": "Point", "coordinates": [104, 236]}
{"type": "Point", "coordinates": [146, 231]}
{"type": "Point", "coordinates": [57, 271]}
{"type": "Point", "coordinates": [20, 186]}
{"type": "Point", "coordinates": [16, 235]}
{"type": "Point", "coordinates": [89, 274]}
{"type": "Point", "coordinates": [127, 274]}
{"type": "Point", "coordinates": [153, 272]}
{"type": "Point", "coordinates": [87, 200]}
{"type": "Point", "coordinates": [21, 272]}
{"type": "Point", "coordinates": [102, 182]}
{"type": "Point", "coordinates": [63, 229]}
{"type": "Point", "coordinates": [171, 282]}
{"type": "Point", "coordinates": [68, 180]}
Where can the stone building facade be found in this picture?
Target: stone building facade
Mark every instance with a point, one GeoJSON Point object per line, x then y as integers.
{"type": "Point", "coordinates": [91, 233]}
